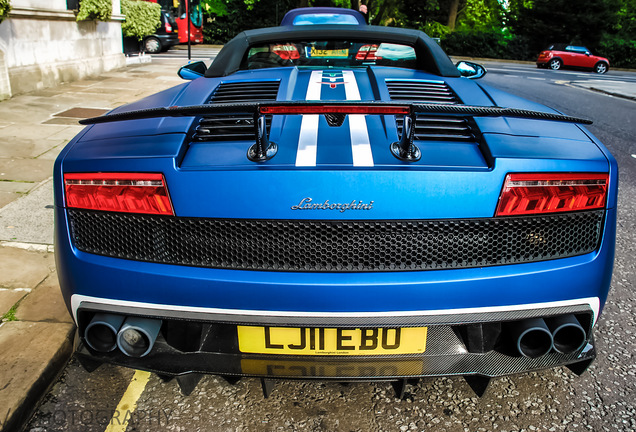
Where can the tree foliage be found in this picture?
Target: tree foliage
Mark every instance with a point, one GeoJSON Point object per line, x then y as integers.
{"type": "Point", "coordinates": [142, 18]}
{"type": "Point", "coordinates": [581, 22]}
{"type": "Point", "coordinates": [100, 10]}
{"type": "Point", "coordinates": [5, 8]}
{"type": "Point", "coordinates": [240, 15]}
{"type": "Point", "coordinates": [515, 29]}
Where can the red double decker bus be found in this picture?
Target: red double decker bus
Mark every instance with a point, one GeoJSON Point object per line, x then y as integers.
{"type": "Point", "coordinates": [180, 10]}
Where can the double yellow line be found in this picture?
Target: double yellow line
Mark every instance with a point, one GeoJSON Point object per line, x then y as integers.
{"type": "Point", "coordinates": [128, 402]}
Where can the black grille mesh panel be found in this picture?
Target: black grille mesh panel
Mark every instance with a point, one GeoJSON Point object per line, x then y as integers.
{"type": "Point", "coordinates": [335, 246]}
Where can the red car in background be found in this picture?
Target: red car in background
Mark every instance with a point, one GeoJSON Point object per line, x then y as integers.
{"type": "Point", "coordinates": [557, 56]}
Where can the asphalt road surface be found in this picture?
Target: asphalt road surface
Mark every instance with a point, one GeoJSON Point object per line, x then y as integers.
{"type": "Point", "coordinates": [603, 399]}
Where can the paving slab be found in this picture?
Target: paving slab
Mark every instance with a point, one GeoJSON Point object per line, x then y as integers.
{"type": "Point", "coordinates": [12, 190]}
{"type": "Point", "coordinates": [9, 297]}
{"type": "Point", "coordinates": [44, 303]}
{"type": "Point", "coordinates": [25, 169]}
{"type": "Point", "coordinates": [30, 218]}
{"type": "Point", "coordinates": [31, 356]}
{"type": "Point", "coordinates": [24, 269]}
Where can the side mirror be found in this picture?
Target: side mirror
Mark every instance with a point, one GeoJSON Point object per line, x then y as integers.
{"type": "Point", "coordinates": [470, 70]}
{"type": "Point", "coordinates": [192, 70]}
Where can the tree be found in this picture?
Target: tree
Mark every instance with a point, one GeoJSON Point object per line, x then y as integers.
{"type": "Point", "coordinates": [568, 21]}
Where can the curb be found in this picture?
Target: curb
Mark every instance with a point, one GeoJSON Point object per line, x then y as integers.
{"type": "Point", "coordinates": [18, 416]}
{"type": "Point", "coordinates": [618, 95]}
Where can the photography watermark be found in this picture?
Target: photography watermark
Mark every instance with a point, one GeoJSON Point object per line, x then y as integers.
{"type": "Point", "coordinates": [100, 417]}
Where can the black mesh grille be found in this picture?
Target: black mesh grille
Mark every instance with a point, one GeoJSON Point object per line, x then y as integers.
{"type": "Point", "coordinates": [335, 246]}
{"type": "Point", "coordinates": [235, 127]}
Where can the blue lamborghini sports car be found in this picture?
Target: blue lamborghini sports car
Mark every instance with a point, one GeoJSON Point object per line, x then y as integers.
{"type": "Point", "coordinates": [335, 202]}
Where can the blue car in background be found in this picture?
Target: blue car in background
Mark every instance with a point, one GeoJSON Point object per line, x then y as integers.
{"type": "Point", "coordinates": [336, 202]}
{"type": "Point", "coordinates": [322, 16]}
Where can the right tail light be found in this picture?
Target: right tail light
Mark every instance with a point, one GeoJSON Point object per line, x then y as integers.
{"type": "Point", "coordinates": [538, 193]}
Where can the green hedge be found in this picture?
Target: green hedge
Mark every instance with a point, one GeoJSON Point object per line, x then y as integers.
{"type": "Point", "coordinates": [5, 8]}
{"type": "Point", "coordinates": [619, 52]}
{"type": "Point", "coordinates": [487, 44]}
{"type": "Point", "coordinates": [142, 18]}
{"type": "Point", "coordinates": [95, 10]}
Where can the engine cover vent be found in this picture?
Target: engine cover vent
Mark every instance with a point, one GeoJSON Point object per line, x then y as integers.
{"type": "Point", "coordinates": [432, 128]}
{"type": "Point", "coordinates": [439, 128]}
{"type": "Point", "coordinates": [252, 91]}
{"type": "Point", "coordinates": [421, 91]}
{"type": "Point", "coordinates": [235, 127]}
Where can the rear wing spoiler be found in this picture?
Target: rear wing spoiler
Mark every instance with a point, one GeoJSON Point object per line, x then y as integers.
{"type": "Point", "coordinates": [264, 150]}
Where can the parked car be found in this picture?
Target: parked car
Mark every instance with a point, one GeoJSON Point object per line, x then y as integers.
{"type": "Point", "coordinates": [335, 202]}
{"type": "Point", "coordinates": [323, 15]}
{"type": "Point", "coordinates": [166, 36]}
{"type": "Point", "coordinates": [557, 56]}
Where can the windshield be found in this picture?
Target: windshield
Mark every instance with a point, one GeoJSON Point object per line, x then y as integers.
{"type": "Point", "coordinates": [311, 19]}
{"type": "Point", "coordinates": [330, 54]}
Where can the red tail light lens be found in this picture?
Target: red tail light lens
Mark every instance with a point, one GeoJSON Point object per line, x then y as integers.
{"type": "Point", "coordinates": [168, 28]}
{"type": "Point", "coordinates": [118, 192]}
{"type": "Point", "coordinates": [367, 52]}
{"type": "Point", "coordinates": [525, 194]}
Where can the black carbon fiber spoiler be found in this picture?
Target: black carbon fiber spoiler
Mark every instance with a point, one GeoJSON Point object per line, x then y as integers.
{"type": "Point", "coordinates": [263, 150]}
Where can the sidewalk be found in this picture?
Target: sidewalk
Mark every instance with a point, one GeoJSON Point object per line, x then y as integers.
{"type": "Point", "coordinates": [36, 331]}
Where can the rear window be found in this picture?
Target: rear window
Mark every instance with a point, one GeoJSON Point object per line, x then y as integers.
{"type": "Point", "coordinates": [330, 54]}
{"type": "Point", "coordinates": [316, 19]}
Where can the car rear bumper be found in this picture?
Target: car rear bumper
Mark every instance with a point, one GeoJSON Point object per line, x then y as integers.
{"type": "Point", "coordinates": [453, 347]}
{"type": "Point", "coordinates": [168, 40]}
{"type": "Point", "coordinates": [444, 301]}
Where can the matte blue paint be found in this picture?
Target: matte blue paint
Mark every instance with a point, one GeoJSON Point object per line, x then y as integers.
{"type": "Point", "coordinates": [452, 180]}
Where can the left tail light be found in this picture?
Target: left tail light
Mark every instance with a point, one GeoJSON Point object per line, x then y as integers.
{"type": "Point", "coordinates": [168, 27]}
{"type": "Point", "coordinates": [118, 192]}
{"type": "Point", "coordinates": [538, 193]}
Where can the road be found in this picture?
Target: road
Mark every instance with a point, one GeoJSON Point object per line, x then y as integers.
{"type": "Point", "coordinates": [198, 53]}
{"type": "Point", "coordinates": [554, 400]}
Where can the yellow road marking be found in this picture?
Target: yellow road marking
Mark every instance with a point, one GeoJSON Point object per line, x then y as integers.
{"type": "Point", "coordinates": [128, 402]}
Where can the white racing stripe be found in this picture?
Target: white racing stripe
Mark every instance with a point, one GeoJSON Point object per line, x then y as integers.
{"type": "Point", "coordinates": [360, 143]}
{"type": "Point", "coordinates": [308, 138]}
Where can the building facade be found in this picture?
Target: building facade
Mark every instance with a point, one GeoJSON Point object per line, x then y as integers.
{"type": "Point", "coordinates": [42, 45]}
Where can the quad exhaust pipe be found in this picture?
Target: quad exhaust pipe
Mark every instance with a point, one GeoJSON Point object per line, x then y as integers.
{"type": "Point", "coordinates": [532, 337]}
{"type": "Point", "coordinates": [134, 336]}
{"type": "Point", "coordinates": [568, 335]}
{"type": "Point", "coordinates": [138, 335]}
{"type": "Point", "coordinates": [101, 332]}
{"type": "Point", "coordinates": [536, 337]}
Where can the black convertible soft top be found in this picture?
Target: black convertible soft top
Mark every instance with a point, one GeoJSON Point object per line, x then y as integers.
{"type": "Point", "coordinates": [430, 56]}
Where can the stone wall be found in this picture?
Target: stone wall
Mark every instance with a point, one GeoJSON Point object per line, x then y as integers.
{"type": "Point", "coordinates": [42, 45]}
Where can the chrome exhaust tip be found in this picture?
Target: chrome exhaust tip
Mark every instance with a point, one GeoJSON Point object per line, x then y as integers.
{"type": "Point", "coordinates": [567, 333]}
{"type": "Point", "coordinates": [101, 332]}
{"type": "Point", "coordinates": [532, 337]}
{"type": "Point", "coordinates": [138, 335]}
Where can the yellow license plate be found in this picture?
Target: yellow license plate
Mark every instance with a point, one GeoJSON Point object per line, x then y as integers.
{"type": "Point", "coordinates": [331, 341]}
{"type": "Point", "coordinates": [329, 53]}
